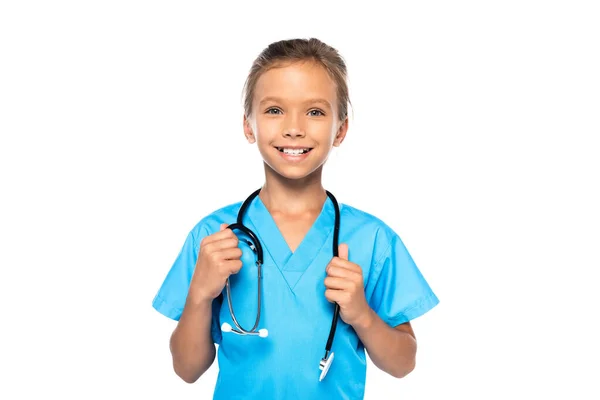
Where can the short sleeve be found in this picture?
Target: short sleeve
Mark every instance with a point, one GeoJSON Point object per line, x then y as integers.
{"type": "Point", "coordinates": [401, 293]}
{"type": "Point", "coordinates": [172, 294]}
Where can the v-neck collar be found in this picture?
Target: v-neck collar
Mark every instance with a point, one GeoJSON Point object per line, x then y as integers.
{"type": "Point", "coordinates": [292, 264]}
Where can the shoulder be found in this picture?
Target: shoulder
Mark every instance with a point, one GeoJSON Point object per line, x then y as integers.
{"type": "Point", "coordinates": [369, 227]}
{"type": "Point", "coordinates": [355, 218]}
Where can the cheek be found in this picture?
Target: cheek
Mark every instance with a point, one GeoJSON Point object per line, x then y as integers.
{"type": "Point", "coordinates": [324, 130]}
{"type": "Point", "coordinates": [266, 130]}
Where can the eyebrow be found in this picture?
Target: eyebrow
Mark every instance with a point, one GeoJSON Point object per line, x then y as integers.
{"type": "Point", "coordinates": [309, 101]}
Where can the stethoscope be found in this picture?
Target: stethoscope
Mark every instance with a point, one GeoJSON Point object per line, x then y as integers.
{"type": "Point", "coordinates": [256, 247]}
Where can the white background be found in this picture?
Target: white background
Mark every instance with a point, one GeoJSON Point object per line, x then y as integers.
{"type": "Point", "coordinates": [474, 135]}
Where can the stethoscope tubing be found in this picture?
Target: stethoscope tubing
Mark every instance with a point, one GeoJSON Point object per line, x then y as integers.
{"type": "Point", "coordinates": [259, 257]}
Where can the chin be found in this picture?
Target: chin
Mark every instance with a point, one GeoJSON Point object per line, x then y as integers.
{"type": "Point", "coordinates": [292, 173]}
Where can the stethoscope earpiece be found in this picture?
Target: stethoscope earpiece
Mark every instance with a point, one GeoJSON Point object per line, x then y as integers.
{"type": "Point", "coordinates": [225, 327]}
{"type": "Point", "coordinates": [263, 333]}
{"type": "Point", "coordinates": [251, 245]}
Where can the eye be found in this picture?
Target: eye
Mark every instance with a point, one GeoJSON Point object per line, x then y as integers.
{"type": "Point", "coordinates": [316, 113]}
{"type": "Point", "coordinates": [275, 111]}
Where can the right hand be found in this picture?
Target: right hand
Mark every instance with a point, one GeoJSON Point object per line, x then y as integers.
{"type": "Point", "coordinates": [218, 258]}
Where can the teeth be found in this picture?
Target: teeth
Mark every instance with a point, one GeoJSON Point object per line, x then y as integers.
{"type": "Point", "coordinates": [294, 152]}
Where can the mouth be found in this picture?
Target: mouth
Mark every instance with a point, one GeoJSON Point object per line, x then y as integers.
{"type": "Point", "coordinates": [296, 151]}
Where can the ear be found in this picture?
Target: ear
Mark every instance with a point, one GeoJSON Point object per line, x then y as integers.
{"type": "Point", "coordinates": [341, 133]}
{"type": "Point", "coordinates": [248, 130]}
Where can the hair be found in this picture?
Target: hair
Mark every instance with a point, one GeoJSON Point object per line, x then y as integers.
{"type": "Point", "coordinates": [294, 50]}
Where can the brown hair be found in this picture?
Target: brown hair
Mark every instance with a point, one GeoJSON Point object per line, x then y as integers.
{"type": "Point", "coordinates": [300, 50]}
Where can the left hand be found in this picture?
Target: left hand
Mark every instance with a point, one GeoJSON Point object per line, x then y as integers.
{"type": "Point", "coordinates": [344, 286]}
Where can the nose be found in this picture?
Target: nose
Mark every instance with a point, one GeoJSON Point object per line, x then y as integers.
{"type": "Point", "coordinates": [293, 128]}
{"type": "Point", "coordinates": [293, 133]}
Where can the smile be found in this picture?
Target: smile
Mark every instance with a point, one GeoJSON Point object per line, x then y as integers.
{"type": "Point", "coordinates": [294, 151]}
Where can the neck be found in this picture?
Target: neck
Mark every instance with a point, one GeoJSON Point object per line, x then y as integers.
{"type": "Point", "coordinates": [292, 196]}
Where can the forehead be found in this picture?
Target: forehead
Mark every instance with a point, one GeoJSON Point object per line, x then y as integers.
{"type": "Point", "coordinates": [296, 81]}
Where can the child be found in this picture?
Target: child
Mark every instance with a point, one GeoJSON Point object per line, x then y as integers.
{"type": "Point", "coordinates": [275, 321]}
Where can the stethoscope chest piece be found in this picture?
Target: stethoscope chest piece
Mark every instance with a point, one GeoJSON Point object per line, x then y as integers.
{"type": "Point", "coordinates": [324, 366]}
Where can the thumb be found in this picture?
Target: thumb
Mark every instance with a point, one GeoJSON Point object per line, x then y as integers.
{"type": "Point", "coordinates": [343, 251]}
{"type": "Point", "coordinates": [223, 227]}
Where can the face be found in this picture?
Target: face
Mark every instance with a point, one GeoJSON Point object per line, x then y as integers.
{"type": "Point", "coordinates": [294, 119]}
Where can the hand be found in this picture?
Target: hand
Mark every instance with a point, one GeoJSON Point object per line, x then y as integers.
{"type": "Point", "coordinates": [218, 258]}
{"type": "Point", "coordinates": [344, 286]}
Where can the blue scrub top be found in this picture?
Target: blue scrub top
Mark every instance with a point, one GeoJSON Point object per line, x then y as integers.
{"type": "Point", "coordinates": [285, 365]}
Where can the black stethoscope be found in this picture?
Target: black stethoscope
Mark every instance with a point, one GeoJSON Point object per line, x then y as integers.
{"type": "Point", "coordinates": [256, 247]}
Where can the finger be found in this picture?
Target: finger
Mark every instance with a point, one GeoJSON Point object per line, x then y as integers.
{"type": "Point", "coordinates": [223, 232]}
{"type": "Point", "coordinates": [334, 296]}
{"type": "Point", "coordinates": [234, 253]}
{"type": "Point", "coordinates": [218, 245]}
{"type": "Point", "coordinates": [229, 267]}
{"type": "Point", "coordinates": [341, 272]}
{"type": "Point", "coordinates": [215, 237]}
{"type": "Point", "coordinates": [340, 262]}
{"type": "Point", "coordinates": [337, 283]}
{"type": "Point", "coordinates": [343, 251]}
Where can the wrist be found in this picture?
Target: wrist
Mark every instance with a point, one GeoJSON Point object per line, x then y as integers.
{"type": "Point", "coordinates": [198, 299]}
{"type": "Point", "coordinates": [366, 320]}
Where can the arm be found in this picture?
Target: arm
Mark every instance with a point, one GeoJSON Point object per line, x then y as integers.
{"type": "Point", "coordinates": [191, 343]}
{"type": "Point", "coordinates": [392, 350]}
